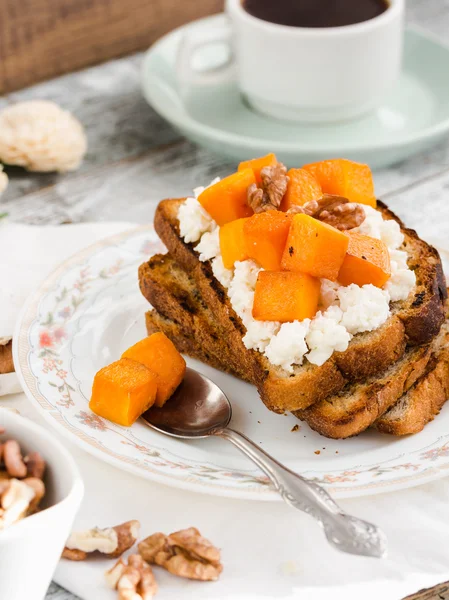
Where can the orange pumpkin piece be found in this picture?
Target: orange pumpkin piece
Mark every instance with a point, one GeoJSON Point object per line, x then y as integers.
{"type": "Point", "coordinates": [160, 356]}
{"type": "Point", "coordinates": [346, 178]}
{"type": "Point", "coordinates": [257, 164]}
{"type": "Point", "coordinates": [265, 235]}
{"type": "Point", "coordinates": [232, 243]}
{"type": "Point", "coordinates": [314, 247]}
{"type": "Point", "coordinates": [367, 261]}
{"type": "Point", "coordinates": [285, 296]}
{"type": "Point", "coordinates": [225, 201]}
{"type": "Point", "coordinates": [302, 187]}
{"type": "Point", "coordinates": [123, 391]}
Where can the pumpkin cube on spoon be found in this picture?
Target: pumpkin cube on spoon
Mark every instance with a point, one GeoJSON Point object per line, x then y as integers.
{"type": "Point", "coordinates": [123, 391]}
{"type": "Point", "coordinates": [159, 355]}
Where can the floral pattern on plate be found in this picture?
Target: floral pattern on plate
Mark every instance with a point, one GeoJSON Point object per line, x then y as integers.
{"type": "Point", "coordinates": [65, 334]}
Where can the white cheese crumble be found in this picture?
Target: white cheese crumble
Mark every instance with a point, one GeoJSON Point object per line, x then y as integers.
{"type": "Point", "coordinates": [344, 311]}
{"type": "Point", "coordinates": [402, 280]}
{"type": "Point", "coordinates": [326, 334]}
{"type": "Point", "coordinates": [364, 308]}
{"type": "Point", "coordinates": [288, 347]}
{"type": "Point", "coordinates": [193, 220]}
{"type": "Point", "coordinates": [209, 246]}
{"type": "Point", "coordinates": [223, 275]}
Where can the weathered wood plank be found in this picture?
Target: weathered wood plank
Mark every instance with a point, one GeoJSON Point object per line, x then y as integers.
{"type": "Point", "coordinates": [43, 38]}
{"type": "Point", "coordinates": [108, 101]}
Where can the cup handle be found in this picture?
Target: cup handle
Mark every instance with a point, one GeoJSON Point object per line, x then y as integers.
{"type": "Point", "coordinates": [190, 45]}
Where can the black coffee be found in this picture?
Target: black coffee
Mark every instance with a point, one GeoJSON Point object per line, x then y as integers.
{"type": "Point", "coordinates": [315, 13]}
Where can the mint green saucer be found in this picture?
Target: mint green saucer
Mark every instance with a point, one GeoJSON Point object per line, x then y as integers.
{"type": "Point", "coordinates": [413, 117]}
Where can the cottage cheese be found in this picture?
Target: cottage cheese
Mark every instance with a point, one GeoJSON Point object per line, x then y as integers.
{"type": "Point", "coordinates": [344, 311]}
{"type": "Point", "coordinates": [364, 308]}
{"type": "Point", "coordinates": [288, 347]}
{"type": "Point", "coordinates": [209, 246]}
{"type": "Point", "coordinates": [326, 334]}
{"type": "Point", "coordinates": [402, 280]}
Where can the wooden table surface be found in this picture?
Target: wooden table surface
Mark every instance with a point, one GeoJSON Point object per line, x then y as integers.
{"type": "Point", "coordinates": [135, 159]}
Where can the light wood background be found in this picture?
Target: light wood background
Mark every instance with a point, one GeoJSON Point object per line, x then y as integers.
{"type": "Point", "coordinates": [135, 158]}
{"type": "Point", "coordinates": [40, 39]}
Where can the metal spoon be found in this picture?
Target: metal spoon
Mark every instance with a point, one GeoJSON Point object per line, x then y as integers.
{"type": "Point", "coordinates": [199, 409]}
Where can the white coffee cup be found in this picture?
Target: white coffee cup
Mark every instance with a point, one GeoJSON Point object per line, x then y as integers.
{"type": "Point", "coordinates": [304, 74]}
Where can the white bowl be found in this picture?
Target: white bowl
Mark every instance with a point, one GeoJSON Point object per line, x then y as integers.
{"type": "Point", "coordinates": [31, 548]}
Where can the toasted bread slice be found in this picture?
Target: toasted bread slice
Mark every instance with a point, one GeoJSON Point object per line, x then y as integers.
{"type": "Point", "coordinates": [424, 399]}
{"type": "Point", "coordinates": [423, 374]}
{"type": "Point", "coordinates": [340, 415]}
{"type": "Point", "coordinates": [188, 343]}
{"type": "Point", "coordinates": [368, 354]}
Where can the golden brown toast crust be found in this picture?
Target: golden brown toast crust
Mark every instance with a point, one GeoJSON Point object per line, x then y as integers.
{"type": "Point", "coordinates": [367, 355]}
{"type": "Point", "coordinates": [188, 343]}
{"type": "Point", "coordinates": [423, 401]}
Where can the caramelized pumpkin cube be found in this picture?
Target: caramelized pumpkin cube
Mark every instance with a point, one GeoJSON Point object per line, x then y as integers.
{"type": "Point", "coordinates": [302, 187]}
{"type": "Point", "coordinates": [285, 296]}
{"type": "Point", "coordinates": [257, 164]}
{"type": "Point", "coordinates": [265, 236]}
{"type": "Point", "coordinates": [232, 242]}
{"type": "Point", "coordinates": [346, 178]}
{"type": "Point", "coordinates": [123, 391]}
{"type": "Point", "coordinates": [314, 247]}
{"type": "Point", "coordinates": [367, 261]}
{"type": "Point", "coordinates": [160, 356]}
{"type": "Point", "coordinates": [226, 200]}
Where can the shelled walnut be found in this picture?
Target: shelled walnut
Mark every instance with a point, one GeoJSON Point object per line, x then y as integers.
{"type": "Point", "coordinates": [184, 553]}
{"type": "Point", "coordinates": [110, 541]}
{"type": "Point", "coordinates": [333, 210]}
{"type": "Point", "coordinates": [21, 486]}
{"type": "Point", "coordinates": [133, 580]}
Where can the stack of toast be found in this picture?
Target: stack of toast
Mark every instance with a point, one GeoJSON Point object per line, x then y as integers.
{"type": "Point", "coordinates": [395, 378]}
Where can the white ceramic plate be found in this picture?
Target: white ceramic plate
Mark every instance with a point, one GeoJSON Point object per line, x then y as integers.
{"type": "Point", "coordinates": [413, 117]}
{"type": "Point", "coordinates": [90, 310]}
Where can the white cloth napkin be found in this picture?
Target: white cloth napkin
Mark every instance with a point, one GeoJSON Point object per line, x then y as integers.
{"type": "Point", "coordinates": [270, 552]}
{"type": "Point", "coordinates": [28, 254]}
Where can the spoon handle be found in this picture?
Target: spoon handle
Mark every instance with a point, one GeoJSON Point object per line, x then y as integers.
{"type": "Point", "coordinates": [343, 531]}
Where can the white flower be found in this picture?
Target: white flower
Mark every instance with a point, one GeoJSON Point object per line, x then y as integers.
{"type": "Point", "coordinates": [3, 180]}
{"type": "Point", "coordinates": [41, 136]}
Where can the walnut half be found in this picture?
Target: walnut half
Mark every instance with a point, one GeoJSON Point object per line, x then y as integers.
{"type": "Point", "coordinates": [333, 210]}
{"type": "Point", "coordinates": [274, 185]}
{"type": "Point", "coordinates": [184, 553]}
